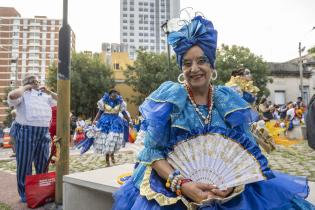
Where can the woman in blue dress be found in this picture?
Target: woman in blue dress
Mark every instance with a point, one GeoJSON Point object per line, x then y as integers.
{"type": "Point", "coordinates": [177, 111]}
{"type": "Point", "coordinates": [111, 126]}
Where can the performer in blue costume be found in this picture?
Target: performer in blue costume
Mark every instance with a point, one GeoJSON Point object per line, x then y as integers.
{"type": "Point", "coordinates": [111, 126]}
{"type": "Point", "coordinates": [178, 111]}
{"type": "Point", "coordinates": [241, 81]}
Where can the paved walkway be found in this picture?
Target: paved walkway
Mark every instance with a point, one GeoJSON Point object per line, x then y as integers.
{"type": "Point", "coordinates": [296, 160]}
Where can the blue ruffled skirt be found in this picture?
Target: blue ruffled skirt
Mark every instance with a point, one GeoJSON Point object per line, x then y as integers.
{"type": "Point", "coordinates": [284, 192]}
{"type": "Point", "coordinates": [110, 123]}
{"type": "Point", "coordinates": [111, 135]}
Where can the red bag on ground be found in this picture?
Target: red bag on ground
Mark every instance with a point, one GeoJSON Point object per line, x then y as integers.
{"type": "Point", "coordinates": [40, 189]}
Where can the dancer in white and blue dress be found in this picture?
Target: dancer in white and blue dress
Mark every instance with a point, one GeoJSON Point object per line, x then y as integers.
{"type": "Point", "coordinates": [111, 126]}
{"type": "Point", "coordinates": [175, 112]}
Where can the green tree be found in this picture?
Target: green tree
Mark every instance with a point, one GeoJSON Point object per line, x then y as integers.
{"type": "Point", "coordinates": [233, 57]}
{"type": "Point", "coordinates": [90, 78]}
{"type": "Point", "coordinates": [148, 72]}
{"type": "Point", "coordinates": [311, 50]}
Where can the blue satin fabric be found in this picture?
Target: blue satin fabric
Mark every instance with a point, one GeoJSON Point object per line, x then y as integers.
{"type": "Point", "coordinates": [198, 32]}
{"type": "Point", "coordinates": [250, 98]}
{"type": "Point", "coordinates": [170, 118]}
{"type": "Point", "coordinates": [284, 192]}
{"type": "Point", "coordinates": [168, 113]}
{"type": "Point", "coordinates": [111, 122]}
{"type": "Point", "coordinates": [108, 100]}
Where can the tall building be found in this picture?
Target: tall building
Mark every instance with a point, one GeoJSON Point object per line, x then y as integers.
{"type": "Point", "coordinates": [27, 46]}
{"type": "Point", "coordinates": [140, 24]}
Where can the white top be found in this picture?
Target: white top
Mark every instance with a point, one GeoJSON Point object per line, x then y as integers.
{"type": "Point", "coordinates": [33, 108]}
{"type": "Point", "coordinates": [80, 123]}
{"type": "Point", "coordinates": [291, 113]}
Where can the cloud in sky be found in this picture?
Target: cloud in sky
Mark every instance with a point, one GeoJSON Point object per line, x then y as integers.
{"type": "Point", "coordinates": [270, 28]}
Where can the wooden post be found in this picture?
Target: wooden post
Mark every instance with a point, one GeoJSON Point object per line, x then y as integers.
{"type": "Point", "coordinates": [63, 107]}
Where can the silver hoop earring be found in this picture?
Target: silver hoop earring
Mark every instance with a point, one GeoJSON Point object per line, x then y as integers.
{"type": "Point", "coordinates": [181, 78]}
{"type": "Point", "coordinates": [215, 75]}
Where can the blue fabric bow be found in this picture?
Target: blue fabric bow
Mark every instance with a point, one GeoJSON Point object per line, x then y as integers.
{"type": "Point", "coordinates": [199, 32]}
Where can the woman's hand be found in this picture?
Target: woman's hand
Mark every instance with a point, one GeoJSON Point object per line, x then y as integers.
{"type": "Point", "coordinates": [198, 191]}
{"type": "Point", "coordinates": [223, 193]}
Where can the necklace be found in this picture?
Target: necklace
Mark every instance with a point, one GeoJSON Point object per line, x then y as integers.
{"type": "Point", "coordinates": [206, 119]}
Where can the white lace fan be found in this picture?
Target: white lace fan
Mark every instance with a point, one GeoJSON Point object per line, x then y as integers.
{"type": "Point", "coordinates": [215, 159]}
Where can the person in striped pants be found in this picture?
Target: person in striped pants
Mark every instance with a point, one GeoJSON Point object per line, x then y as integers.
{"type": "Point", "coordinates": [33, 115]}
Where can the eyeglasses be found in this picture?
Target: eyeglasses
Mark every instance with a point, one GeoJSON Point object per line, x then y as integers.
{"type": "Point", "coordinates": [187, 64]}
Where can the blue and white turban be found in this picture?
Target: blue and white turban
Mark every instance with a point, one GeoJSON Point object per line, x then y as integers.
{"type": "Point", "coordinates": [198, 32]}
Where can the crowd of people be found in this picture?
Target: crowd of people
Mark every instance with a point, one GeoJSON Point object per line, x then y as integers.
{"type": "Point", "coordinates": [175, 112]}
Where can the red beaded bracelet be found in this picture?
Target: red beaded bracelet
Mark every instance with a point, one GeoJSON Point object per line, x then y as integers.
{"type": "Point", "coordinates": [179, 185]}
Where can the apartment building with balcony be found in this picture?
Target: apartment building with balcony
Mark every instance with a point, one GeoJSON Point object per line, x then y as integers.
{"type": "Point", "coordinates": [27, 46]}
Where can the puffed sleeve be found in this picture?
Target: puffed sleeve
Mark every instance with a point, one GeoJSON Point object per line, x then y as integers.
{"type": "Point", "coordinates": [157, 111]}
{"type": "Point", "coordinates": [235, 110]}
{"type": "Point", "coordinates": [157, 134]}
{"type": "Point", "coordinates": [100, 105]}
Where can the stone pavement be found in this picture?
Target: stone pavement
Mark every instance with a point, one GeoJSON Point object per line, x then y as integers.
{"type": "Point", "coordinates": [296, 160]}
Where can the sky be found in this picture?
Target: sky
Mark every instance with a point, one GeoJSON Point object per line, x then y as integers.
{"type": "Point", "coordinates": [269, 28]}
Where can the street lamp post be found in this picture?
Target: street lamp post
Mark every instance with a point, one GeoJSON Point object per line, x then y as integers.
{"type": "Point", "coordinates": [301, 49]}
{"type": "Point", "coordinates": [63, 109]}
{"type": "Point", "coordinates": [164, 27]}
{"type": "Point", "coordinates": [301, 68]}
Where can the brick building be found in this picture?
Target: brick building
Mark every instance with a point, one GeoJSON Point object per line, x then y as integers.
{"type": "Point", "coordinates": [27, 46]}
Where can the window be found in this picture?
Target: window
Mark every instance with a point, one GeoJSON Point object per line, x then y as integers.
{"type": "Point", "coordinates": [125, 27]}
{"type": "Point", "coordinates": [15, 34]}
{"type": "Point", "coordinates": [124, 15]}
{"type": "Point", "coordinates": [132, 15]}
{"type": "Point", "coordinates": [116, 66]}
{"type": "Point", "coordinates": [124, 40]}
{"type": "Point", "coordinates": [140, 34]}
{"type": "Point", "coordinates": [132, 27]}
{"type": "Point", "coordinates": [124, 34]}
{"type": "Point", "coordinates": [279, 97]}
{"type": "Point", "coordinates": [131, 34]}
{"type": "Point", "coordinates": [125, 21]}
{"type": "Point", "coordinates": [132, 40]}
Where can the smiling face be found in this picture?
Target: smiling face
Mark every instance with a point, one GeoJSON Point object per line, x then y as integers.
{"type": "Point", "coordinates": [196, 68]}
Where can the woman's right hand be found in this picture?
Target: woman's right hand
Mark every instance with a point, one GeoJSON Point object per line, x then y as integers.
{"type": "Point", "coordinates": [198, 191]}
